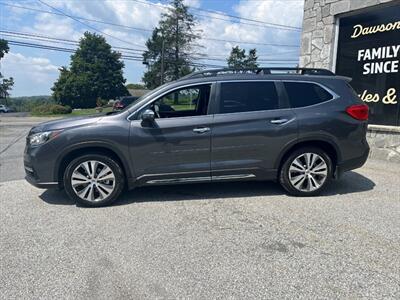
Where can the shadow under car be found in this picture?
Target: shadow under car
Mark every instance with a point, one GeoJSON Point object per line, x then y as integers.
{"type": "Point", "coordinates": [350, 182]}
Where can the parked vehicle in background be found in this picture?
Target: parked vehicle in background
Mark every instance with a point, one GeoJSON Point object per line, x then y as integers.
{"type": "Point", "coordinates": [124, 102]}
{"type": "Point", "coordinates": [4, 109]}
{"type": "Point", "coordinates": [301, 129]}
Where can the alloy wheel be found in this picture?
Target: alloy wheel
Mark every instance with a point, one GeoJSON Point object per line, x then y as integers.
{"type": "Point", "coordinates": [308, 172]}
{"type": "Point", "coordinates": [93, 181]}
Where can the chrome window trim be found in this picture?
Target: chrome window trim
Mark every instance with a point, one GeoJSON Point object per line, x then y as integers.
{"type": "Point", "coordinates": [174, 118]}
{"type": "Point", "coordinates": [332, 93]}
{"type": "Point", "coordinates": [167, 92]}
{"type": "Point", "coordinates": [253, 111]}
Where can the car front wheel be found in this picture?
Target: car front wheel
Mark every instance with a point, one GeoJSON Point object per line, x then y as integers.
{"type": "Point", "coordinates": [306, 172]}
{"type": "Point", "coordinates": [94, 180]}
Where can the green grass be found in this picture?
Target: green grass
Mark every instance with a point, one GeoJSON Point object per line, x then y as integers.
{"type": "Point", "coordinates": [76, 113]}
{"type": "Point", "coordinates": [88, 111]}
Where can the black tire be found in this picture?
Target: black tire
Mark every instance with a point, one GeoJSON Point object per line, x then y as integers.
{"type": "Point", "coordinates": [284, 171]}
{"type": "Point", "coordinates": [118, 173]}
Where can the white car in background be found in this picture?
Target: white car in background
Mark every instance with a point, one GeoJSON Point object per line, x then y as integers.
{"type": "Point", "coordinates": [4, 109]}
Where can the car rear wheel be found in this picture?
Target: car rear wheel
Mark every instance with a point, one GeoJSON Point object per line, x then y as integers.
{"type": "Point", "coordinates": [306, 172]}
{"type": "Point", "coordinates": [94, 180]}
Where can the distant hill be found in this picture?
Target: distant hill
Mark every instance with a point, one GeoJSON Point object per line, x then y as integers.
{"type": "Point", "coordinates": [26, 103]}
{"type": "Point", "coordinates": [135, 86]}
{"type": "Point", "coordinates": [30, 98]}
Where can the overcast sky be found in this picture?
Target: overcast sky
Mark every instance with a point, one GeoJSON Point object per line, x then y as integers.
{"type": "Point", "coordinates": [35, 70]}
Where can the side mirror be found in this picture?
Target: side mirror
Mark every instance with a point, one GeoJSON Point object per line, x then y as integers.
{"type": "Point", "coordinates": [148, 115]}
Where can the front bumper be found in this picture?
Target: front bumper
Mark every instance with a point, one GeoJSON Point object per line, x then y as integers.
{"type": "Point", "coordinates": [42, 185]}
{"type": "Point", "coordinates": [39, 165]}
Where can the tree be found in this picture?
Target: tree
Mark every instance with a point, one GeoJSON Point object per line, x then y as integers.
{"type": "Point", "coordinates": [6, 84]}
{"type": "Point", "coordinates": [168, 56]}
{"type": "Point", "coordinates": [251, 60]}
{"type": "Point", "coordinates": [95, 73]}
{"type": "Point", "coordinates": [238, 58]}
{"type": "Point", "coordinates": [3, 48]}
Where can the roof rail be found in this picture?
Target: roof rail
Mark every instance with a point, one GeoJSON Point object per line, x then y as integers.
{"type": "Point", "coordinates": [261, 70]}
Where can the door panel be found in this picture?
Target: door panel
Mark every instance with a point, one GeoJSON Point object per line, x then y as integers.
{"type": "Point", "coordinates": [171, 148]}
{"type": "Point", "coordinates": [249, 143]}
{"type": "Point", "coordinates": [251, 126]}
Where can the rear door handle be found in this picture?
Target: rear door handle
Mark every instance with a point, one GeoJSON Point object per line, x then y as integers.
{"type": "Point", "coordinates": [201, 129]}
{"type": "Point", "coordinates": [279, 121]}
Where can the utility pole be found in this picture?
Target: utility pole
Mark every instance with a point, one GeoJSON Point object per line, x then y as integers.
{"type": "Point", "coordinates": [162, 61]}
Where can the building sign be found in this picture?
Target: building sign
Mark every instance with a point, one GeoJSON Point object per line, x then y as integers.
{"type": "Point", "coordinates": [369, 52]}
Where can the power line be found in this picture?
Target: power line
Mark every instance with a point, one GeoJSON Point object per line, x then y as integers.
{"type": "Point", "coordinates": [149, 30]}
{"type": "Point", "coordinates": [46, 38]}
{"type": "Point", "coordinates": [133, 49]}
{"type": "Point", "coordinates": [275, 25]}
{"type": "Point", "coordinates": [259, 60]}
{"type": "Point", "coordinates": [40, 37]}
{"type": "Point", "coordinates": [124, 57]}
{"type": "Point", "coordinates": [62, 49]}
{"type": "Point", "coordinates": [129, 57]}
{"type": "Point", "coordinates": [265, 24]}
{"type": "Point", "coordinates": [87, 25]}
{"type": "Point", "coordinates": [289, 52]}
{"type": "Point", "coordinates": [111, 23]}
{"type": "Point", "coordinates": [255, 43]}
{"type": "Point", "coordinates": [80, 18]}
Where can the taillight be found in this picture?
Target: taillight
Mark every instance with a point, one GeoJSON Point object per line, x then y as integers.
{"type": "Point", "coordinates": [358, 112]}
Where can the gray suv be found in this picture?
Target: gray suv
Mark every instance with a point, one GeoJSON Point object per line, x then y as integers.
{"type": "Point", "coordinates": [301, 127]}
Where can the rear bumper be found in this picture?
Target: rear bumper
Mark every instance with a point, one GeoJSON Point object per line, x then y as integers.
{"type": "Point", "coordinates": [351, 164]}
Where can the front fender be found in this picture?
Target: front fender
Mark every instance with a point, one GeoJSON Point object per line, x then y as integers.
{"type": "Point", "coordinates": [86, 146]}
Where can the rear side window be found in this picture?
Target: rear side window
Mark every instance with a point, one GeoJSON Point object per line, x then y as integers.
{"type": "Point", "coordinates": [304, 94]}
{"type": "Point", "coordinates": [248, 96]}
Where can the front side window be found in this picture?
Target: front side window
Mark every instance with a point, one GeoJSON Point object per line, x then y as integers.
{"type": "Point", "coordinates": [248, 96]}
{"type": "Point", "coordinates": [185, 102]}
{"type": "Point", "coordinates": [305, 94]}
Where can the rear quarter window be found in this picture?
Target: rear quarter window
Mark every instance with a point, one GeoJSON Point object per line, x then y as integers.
{"type": "Point", "coordinates": [303, 94]}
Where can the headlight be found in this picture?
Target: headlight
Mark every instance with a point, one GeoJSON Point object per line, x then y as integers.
{"type": "Point", "coordinates": [42, 137]}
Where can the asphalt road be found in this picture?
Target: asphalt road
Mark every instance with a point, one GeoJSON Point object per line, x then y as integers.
{"type": "Point", "coordinates": [13, 131]}
{"type": "Point", "coordinates": [14, 114]}
{"type": "Point", "coordinates": [226, 240]}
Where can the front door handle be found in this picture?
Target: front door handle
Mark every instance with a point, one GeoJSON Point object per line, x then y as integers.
{"type": "Point", "coordinates": [279, 121]}
{"type": "Point", "coordinates": [201, 129]}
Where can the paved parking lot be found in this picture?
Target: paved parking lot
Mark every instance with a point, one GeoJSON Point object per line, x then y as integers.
{"type": "Point", "coordinates": [13, 129]}
{"type": "Point", "coordinates": [227, 240]}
